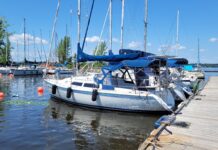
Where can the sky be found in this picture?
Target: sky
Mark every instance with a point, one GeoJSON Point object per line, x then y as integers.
{"type": "Point", "coordinates": [198, 20]}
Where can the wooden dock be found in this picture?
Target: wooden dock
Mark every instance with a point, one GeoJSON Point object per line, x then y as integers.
{"type": "Point", "coordinates": [196, 128]}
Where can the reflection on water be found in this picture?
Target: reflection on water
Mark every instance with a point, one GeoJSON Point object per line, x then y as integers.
{"type": "Point", "coordinates": [99, 129]}
{"type": "Point", "coordinates": [31, 121]}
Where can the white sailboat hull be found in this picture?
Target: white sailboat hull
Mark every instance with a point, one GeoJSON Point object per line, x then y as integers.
{"type": "Point", "coordinates": [112, 101]}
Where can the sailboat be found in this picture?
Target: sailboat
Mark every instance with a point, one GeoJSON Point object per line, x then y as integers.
{"type": "Point", "coordinates": [112, 90]}
{"type": "Point", "coordinates": [25, 70]}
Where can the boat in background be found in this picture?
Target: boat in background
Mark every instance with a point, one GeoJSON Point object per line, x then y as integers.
{"type": "Point", "coordinates": [5, 70]}
{"type": "Point", "coordinates": [24, 71]}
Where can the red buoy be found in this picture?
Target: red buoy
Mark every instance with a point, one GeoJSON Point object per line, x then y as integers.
{"type": "Point", "coordinates": [0, 75]}
{"type": "Point", "coordinates": [2, 95]}
{"type": "Point", "coordinates": [40, 89]}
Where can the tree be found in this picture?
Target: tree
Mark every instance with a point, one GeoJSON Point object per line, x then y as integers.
{"type": "Point", "coordinates": [5, 44]}
{"type": "Point", "coordinates": [63, 50]}
{"type": "Point", "coordinates": [100, 50]}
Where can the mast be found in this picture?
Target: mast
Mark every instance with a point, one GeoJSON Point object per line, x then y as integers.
{"type": "Point", "coordinates": [110, 28]}
{"type": "Point", "coordinates": [146, 24]}
{"type": "Point", "coordinates": [71, 30]}
{"type": "Point", "coordinates": [53, 32]}
{"type": "Point", "coordinates": [79, 19]}
{"type": "Point", "coordinates": [41, 41]}
{"type": "Point", "coordinates": [122, 23]}
{"type": "Point", "coordinates": [24, 36]}
{"type": "Point", "coordinates": [28, 47]}
{"type": "Point", "coordinates": [34, 45]}
{"type": "Point", "coordinates": [177, 32]}
{"type": "Point", "coordinates": [198, 63]}
{"type": "Point", "coordinates": [17, 50]}
{"type": "Point", "coordinates": [78, 28]}
{"type": "Point", "coordinates": [42, 46]}
{"type": "Point", "coordinates": [7, 50]}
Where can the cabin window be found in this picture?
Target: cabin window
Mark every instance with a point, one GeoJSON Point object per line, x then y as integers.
{"type": "Point", "coordinates": [90, 85]}
{"type": "Point", "coordinates": [77, 83]}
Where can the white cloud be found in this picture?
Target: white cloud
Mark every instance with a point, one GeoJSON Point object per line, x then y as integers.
{"type": "Point", "coordinates": [134, 44]}
{"type": "Point", "coordinates": [93, 39]}
{"type": "Point", "coordinates": [29, 38]}
{"type": "Point", "coordinates": [171, 47]}
{"type": "Point", "coordinates": [213, 39]}
{"type": "Point", "coordinates": [115, 40]}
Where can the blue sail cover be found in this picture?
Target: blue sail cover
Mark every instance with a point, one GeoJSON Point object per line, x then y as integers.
{"type": "Point", "coordinates": [137, 63]}
{"type": "Point", "coordinates": [82, 57]}
{"type": "Point", "coordinates": [176, 62]}
{"type": "Point", "coordinates": [130, 51]}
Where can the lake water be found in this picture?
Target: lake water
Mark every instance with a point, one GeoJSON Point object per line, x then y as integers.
{"type": "Point", "coordinates": [31, 121]}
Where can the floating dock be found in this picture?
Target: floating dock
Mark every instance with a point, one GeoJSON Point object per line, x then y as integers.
{"type": "Point", "coordinates": [195, 127]}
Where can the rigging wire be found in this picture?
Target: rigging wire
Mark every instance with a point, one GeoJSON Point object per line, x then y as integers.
{"type": "Point", "coordinates": [53, 32]}
{"type": "Point", "coordinates": [100, 38]}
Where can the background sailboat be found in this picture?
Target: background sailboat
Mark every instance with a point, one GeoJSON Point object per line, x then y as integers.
{"type": "Point", "coordinates": [26, 69]}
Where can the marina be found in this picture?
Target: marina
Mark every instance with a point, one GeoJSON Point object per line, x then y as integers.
{"type": "Point", "coordinates": [108, 75]}
{"type": "Point", "coordinates": [29, 120]}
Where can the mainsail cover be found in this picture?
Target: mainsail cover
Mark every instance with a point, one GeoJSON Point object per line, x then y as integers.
{"type": "Point", "coordinates": [83, 57]}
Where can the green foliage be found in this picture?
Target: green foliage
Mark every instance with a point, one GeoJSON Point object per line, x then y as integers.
{"type": "Point", "coordinates": [99, 51]}
{"type": "Point", "coordinates": [63, 50]}
{"type": "Point", "coordinates": [5, 45]}
{"type": "Point", "coordinates": [70, 63]}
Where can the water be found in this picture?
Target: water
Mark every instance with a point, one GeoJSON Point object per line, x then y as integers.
{"type": "Point", "coordinates": [31, 121]}
{"type": "Point", "coordinates": [209, 74]}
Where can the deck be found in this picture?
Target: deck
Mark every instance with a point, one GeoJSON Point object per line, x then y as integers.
{"type": "Point", "coordinates": [196, 128]}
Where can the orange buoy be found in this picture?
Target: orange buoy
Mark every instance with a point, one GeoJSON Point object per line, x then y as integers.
{"type": "Point", "coordinates": [40, 90]}
{"type": "Point", "coordinates": [2, 95]}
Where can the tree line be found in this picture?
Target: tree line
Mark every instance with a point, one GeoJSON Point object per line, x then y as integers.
{"type": "Point", "coordinates": [5, 44]}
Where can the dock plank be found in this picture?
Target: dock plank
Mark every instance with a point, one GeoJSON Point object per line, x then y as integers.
{"type": "Point", "coordinates": [201, 118]}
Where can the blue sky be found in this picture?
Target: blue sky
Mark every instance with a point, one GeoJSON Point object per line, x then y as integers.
{"type": "Point", "coordinates": [198, 19]}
